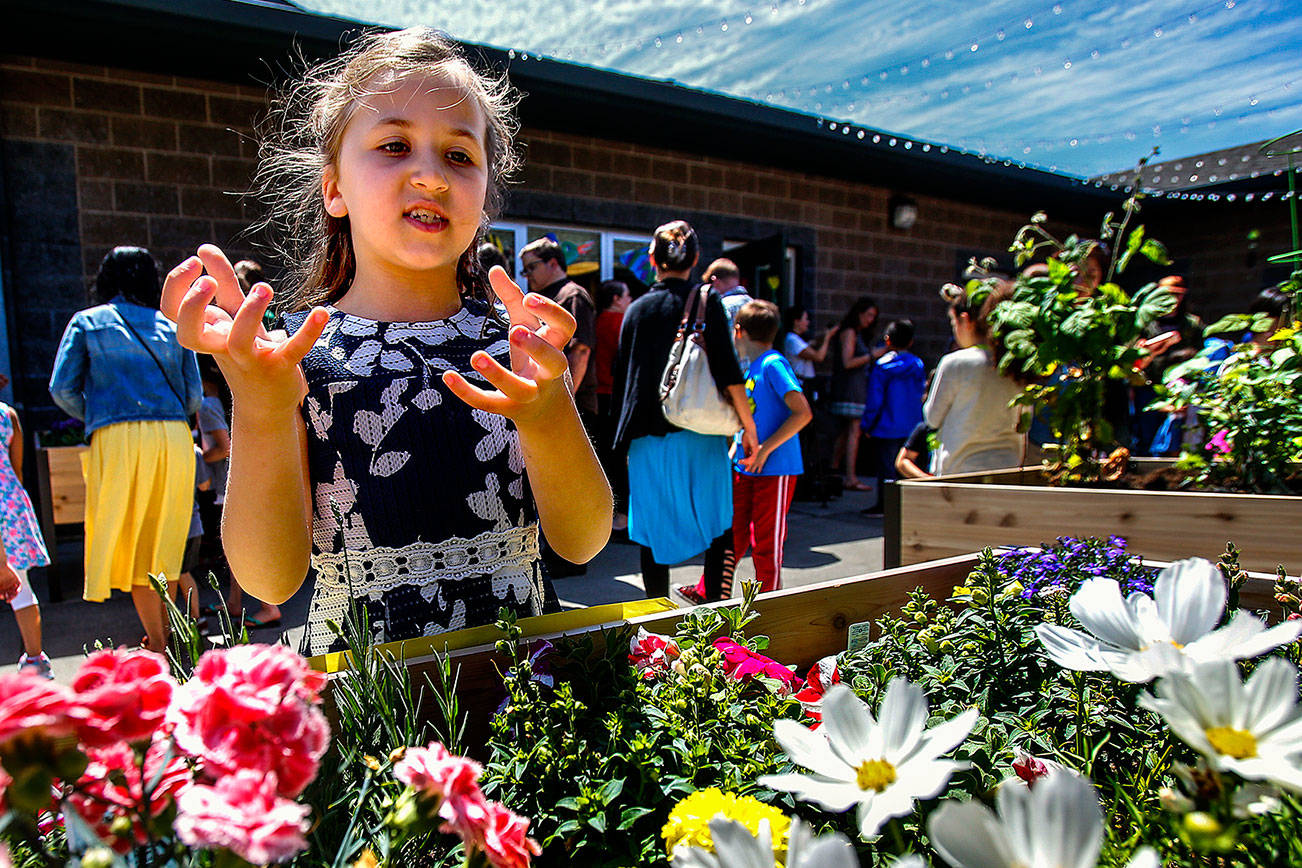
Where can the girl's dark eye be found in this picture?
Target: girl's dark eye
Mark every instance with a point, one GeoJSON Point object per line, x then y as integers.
{"type": "Point", "coordinates": [460, 157]}
{"type": "Point", "coordinates": [394, 147]}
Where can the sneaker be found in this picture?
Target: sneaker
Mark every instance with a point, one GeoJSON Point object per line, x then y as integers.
{"type": "Point", "coordinates": [36, 665]}
{"type": "Point", "coordinates": [690, 594]}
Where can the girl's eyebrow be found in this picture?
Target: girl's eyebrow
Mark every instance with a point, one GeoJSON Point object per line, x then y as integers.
{"type": "Point", "coordinates": [403, 123]}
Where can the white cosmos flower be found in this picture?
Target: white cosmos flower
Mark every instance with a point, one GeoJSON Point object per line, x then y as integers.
{"type": "Point", "coordinates": [736, 847]}
{"type": "Point", "coordinates": [1252, 728]}
{"type": "Point", "coordinates": [1140, 638]}
{"type": "Point", "coordinates": [1058, 824]}
{"type": "Point", "coordinates": [880, 765]}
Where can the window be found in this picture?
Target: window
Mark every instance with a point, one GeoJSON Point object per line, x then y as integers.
{"type": "Point", "coordinates": [591, 255]}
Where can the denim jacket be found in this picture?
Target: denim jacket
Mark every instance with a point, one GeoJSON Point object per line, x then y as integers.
{"type": "Point", "coordinates": [103, 374]}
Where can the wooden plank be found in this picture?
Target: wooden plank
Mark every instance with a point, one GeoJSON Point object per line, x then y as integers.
{"type": "Point", "coordinates": [67, 484]}
{"type": "Point", "coordinates": [940, 519]}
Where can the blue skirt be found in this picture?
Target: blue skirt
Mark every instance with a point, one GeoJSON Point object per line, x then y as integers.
{"type": "Point", "coordinates": [679, 493]}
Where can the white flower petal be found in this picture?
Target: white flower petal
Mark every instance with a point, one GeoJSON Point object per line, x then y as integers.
{"type": "Point", "coordinates": [693, 857]}
{"type": "Point", "coordinates": [1190, 597]}
{"type": "Point", "coordinates": [1281, 770]}
{"type": "Point", "coordinates": [832, 795]}
{"type": "Point", "coordinates": [810, 749]}
{"type": "Point", "coordinates": [1145, 857]}
{"type": "Point", "coordinates": [1066, 823]}
{"type": "Point", "coordinates": [1101, 610]}
{"type": "Point", "coordinates": [1244, 637]}
{"type": "Point", "coordinates": [902, 716]}
{"type": "Point", "coordinates": [1271, 700]}
{"type": "Point", "coordinates": [969, 835]}
{"type": "Point", "coordinates": [849, 724]}
{"type": "Point", "coordinates": [829, 851]}
{"type": "Point", "coordinates": [1071, 649]}
{"type": "Point", "coordinates": [944, 737]}
{"type": "Point", "coordinates": [736, 847]}
{"type": "Point", "coordinates": [1141, 667]}
{"type": "Point", "coordinates": [874, 812]}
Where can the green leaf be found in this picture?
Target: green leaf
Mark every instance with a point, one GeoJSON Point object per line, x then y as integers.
{"type": "Point", "coordinates": [610, 790]}
{"type": "Point", "coordinates": [1155, 251]}
{"type": "Point", "coordinates": [631, 816]}
{"type": "Point", "coordinates": [598, 822]}
{"type": "Point", "coordinates": [570, 803]}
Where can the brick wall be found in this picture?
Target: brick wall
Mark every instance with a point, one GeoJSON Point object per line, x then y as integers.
{"type": "Point", "coordinates": [95, 157]}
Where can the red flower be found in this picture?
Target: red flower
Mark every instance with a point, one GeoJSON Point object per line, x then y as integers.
{"type": "Point", "coordinates": [822, 675]}
{"type": "Point", "coordinates": [1031, 768]}
{"type": "Point", "coordinates": [112, 788]}
{"type": "Point", "coordinates": [742, 663]}
{"type": "Point", "coordinates": [452, 780]}
{"type": "Point", "coordinates": [243, 814]}
{"type": "Point", "coordinates": [28, 702]}
{"type": "Point", "coordinates": [503, 838]}
{"type": "Point", "coordinates": [253, 707]}
{"type": "Point", "coordinates": [651, 653]}
{"type": "Point", "coordinates": [124, 694]}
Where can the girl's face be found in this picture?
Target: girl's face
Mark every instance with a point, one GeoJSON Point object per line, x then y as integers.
{"type": "Point", "coordinates": [867, 318]}
{"type": "Point", "coordinates": [801, 325]}
{"type": "Point", "coordinates": [411, 177]}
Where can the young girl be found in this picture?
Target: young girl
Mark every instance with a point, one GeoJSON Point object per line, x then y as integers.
{"type": "Point", "coordinates": [401, 434]}
{"type": "Point", "coordinates": [23, 546]}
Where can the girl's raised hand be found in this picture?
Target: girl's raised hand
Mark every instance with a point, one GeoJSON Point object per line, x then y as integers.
{"type": "Point", "coordinates": [213, 315]}
{"type": "Point", "coordinates": [540, 329]}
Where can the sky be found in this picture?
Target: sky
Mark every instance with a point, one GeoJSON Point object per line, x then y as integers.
{"type": "Point", "coordinates": [1081, 88]}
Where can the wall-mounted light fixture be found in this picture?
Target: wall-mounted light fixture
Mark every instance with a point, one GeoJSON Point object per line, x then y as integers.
{"type": "Point", "coordinates": [903, 212]}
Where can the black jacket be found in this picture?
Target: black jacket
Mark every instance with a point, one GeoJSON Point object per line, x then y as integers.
{"type": "Point", "coordinates": [645, 339]}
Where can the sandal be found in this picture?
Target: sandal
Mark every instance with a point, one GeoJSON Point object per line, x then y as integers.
{"type": "Point", "coordinates": [856, 485]}
{"type": "Point", "coordinates": [253, 623]}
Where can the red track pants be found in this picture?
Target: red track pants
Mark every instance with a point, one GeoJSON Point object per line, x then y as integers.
{"type": "Point", "coordinates": [759, 522]}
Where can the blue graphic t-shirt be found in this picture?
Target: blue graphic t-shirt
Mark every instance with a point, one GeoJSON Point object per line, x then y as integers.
{"type": "Point", "coordinates": [768, 380]}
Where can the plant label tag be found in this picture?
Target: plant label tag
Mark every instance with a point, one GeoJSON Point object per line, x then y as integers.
{"type": "Point", "coordinates": [858, 635]}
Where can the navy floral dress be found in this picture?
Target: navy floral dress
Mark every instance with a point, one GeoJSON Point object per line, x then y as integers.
{"type": "Point", "coordinates": [422, 510]}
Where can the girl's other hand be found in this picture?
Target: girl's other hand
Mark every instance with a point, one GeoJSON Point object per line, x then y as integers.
{"type": "Point", "coordinates": [540, 329]}
{"type": "Point", "coordinates": [213, 315]}
{"type": "Point", "coordinates": [10, 585]}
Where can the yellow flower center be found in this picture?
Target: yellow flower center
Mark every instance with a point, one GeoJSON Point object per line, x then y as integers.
{"type": "Point", "coordinates": [875, 775]}
{"type": "Point", "coordinates": [1237, 743]}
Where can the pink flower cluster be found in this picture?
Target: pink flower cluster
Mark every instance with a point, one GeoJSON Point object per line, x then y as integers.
{"type": "Point", "coordinates": [741, 663]}
{"type": "Point", "coordinates": [484, 826]}
{"type": "Point", "coordinates": [652, 654]}
{"type": "Point", "coordinates": [230, 748]}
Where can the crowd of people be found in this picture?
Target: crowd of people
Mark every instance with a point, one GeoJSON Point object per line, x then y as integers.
{"type": "Point", "coordinates": [427, 441]}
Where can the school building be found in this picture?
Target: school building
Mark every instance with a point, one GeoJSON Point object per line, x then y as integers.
{"type": "Point", "coordinates": [131, 122]}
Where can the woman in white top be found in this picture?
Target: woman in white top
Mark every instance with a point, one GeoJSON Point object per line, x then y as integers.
{"type": "Point", "coordinates": [802, 354]}
{"type": "Point", "coordinates": [969, 400]}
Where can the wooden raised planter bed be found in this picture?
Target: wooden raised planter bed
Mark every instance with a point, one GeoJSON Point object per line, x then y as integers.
{"type": "Point", "coordinates": [61, 488]}
{"type": "Point", "coordinates": [946, 515]}
{"type": "Point", "coordinates": [803, 625]}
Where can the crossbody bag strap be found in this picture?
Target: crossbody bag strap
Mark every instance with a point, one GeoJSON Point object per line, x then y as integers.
{"type": "Point", "coordinates": [161, 369]}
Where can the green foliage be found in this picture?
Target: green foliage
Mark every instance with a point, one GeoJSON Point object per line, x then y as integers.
{"type": "Point", "coordinates": [1251, 396]}
{"type": "Point", "coordinates": [1067, 342]}
{"type": "Point", "coordinates": [599, 761]}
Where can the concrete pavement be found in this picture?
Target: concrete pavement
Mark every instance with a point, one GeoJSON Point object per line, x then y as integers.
{"type": "Point", "coordinates": [823, 542]}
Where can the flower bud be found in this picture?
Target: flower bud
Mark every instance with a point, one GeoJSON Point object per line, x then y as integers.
{"type": "Point", "coordinates": [97, 857]}
{"type": "Point", "coordinates": [121, 826]}
{"type": "Point", "coordinates": [1204, 832]}
{"type": "Point", "coordinates": [1176, 803]}
{"type": "Point", "coordinates": [397, 753]}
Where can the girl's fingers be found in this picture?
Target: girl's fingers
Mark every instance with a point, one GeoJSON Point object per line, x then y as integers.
{"type": "Point", "coordinates": [192, 318]}
{"type": "Point", "coordinates": [507, 290]}
{"type": "Point", "coordinates": [229, 297]}
{"type": "Point", "coordinates": [177, 286]}
{"type": "Point", "coordinates": [510, 384]}
{"type": "Point", "coordinates": [489, 402]}
{"type": "Point", "coordinates": [300, 342]}
{"type": "Point", "coordinates": [557, 325]}
{"type": "Point", "coordinates": [548, 359]}
{"type": "Point", "coordinates": [247, 325]}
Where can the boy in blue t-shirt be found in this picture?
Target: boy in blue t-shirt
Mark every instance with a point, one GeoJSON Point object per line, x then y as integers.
{"type": "Point", "coordinates": [762, 485]}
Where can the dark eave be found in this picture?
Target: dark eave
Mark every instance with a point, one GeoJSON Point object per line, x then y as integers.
{"type": "Point", "coordinates": [248, 42]}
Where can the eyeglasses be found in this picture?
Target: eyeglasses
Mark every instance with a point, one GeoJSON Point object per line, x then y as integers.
{"type": "Point", "coordinates": [528, 267]}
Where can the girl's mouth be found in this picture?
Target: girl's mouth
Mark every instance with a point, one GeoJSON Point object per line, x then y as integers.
{"type": "Point", "coordinates": [426, 219]}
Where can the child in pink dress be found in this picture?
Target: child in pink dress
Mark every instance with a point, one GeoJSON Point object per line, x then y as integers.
{"type": "Point", "coordinates": [23, 546]}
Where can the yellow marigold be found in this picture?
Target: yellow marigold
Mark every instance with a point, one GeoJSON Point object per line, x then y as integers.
{"type": "Point", "coordinates": [689, 821]}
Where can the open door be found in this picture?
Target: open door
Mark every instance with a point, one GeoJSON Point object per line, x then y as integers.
{"type": "Point", "coordinates": [766, 270]}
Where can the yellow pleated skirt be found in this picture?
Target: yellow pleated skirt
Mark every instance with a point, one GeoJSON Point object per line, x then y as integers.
{"type": "Point", "coordinates": [139, 497]}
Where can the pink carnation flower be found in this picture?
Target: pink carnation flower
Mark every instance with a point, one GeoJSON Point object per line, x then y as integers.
{"type": "Point", "coordinates": [111, 787]}
{"type": "Point", "coordinates": [28, 702]}
{"type": "Point", "coordinates": [1220, 443]}
{"type": "Point", "coordinates": [452, 780]}
{"type": "Point", "coordinates": [651, 653]}
{"type": "Point", "coordinates": [124, 695]}
{"type": "Point", "coordinates": [741, 663]}
{"type": "Point", "coordinates": [503, 838]}
{"type": "Point", "coordinates": [243, 814]}
{"type": "Point", "coordinates": [253, 707]}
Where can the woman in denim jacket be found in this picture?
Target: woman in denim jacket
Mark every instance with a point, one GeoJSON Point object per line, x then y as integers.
{"type": "Point", "coordinates": [122, 372]}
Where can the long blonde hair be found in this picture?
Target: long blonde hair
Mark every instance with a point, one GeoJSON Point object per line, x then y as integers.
{"type": "Point", "coordinates": [301, 138]}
